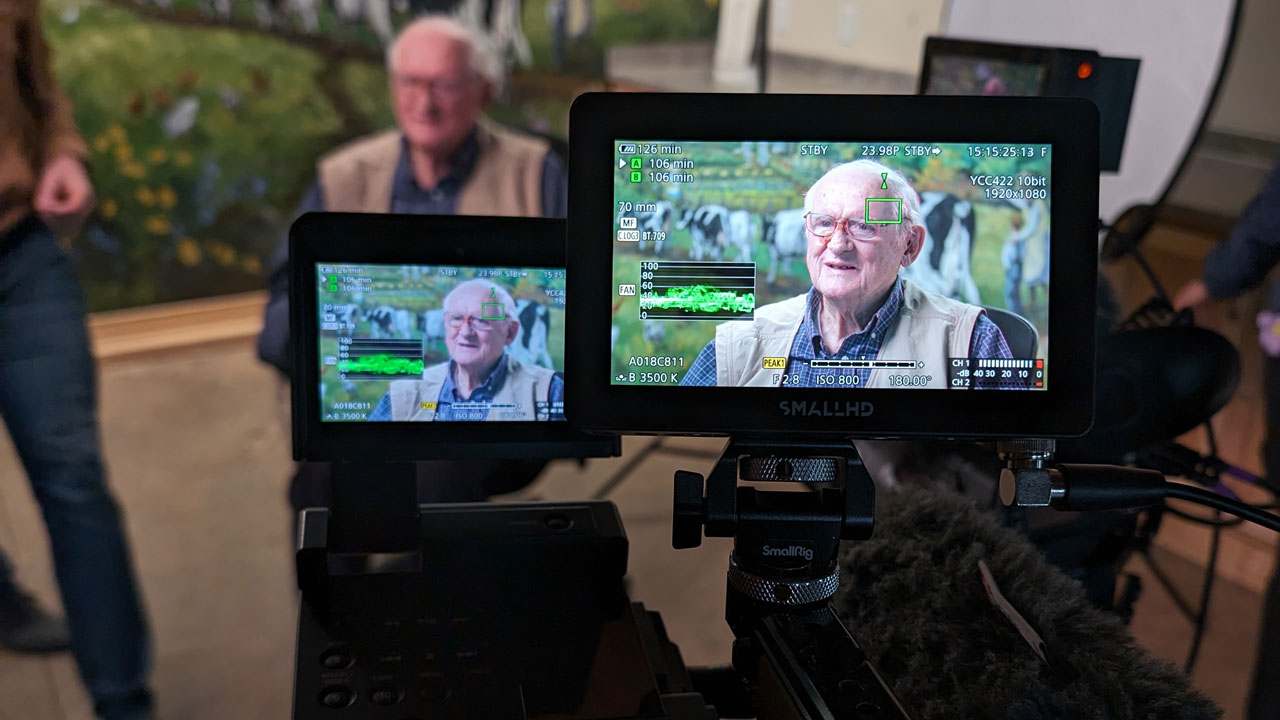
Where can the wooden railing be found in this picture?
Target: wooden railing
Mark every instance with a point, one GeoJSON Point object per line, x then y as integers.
{"type": "Point", "coordinates": [130, 333]}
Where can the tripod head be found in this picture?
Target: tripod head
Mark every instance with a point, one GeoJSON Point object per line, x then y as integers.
{"type": "Point", "coordinates": [794, 656]}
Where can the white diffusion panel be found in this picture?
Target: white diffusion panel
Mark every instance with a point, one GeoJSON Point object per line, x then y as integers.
{"type": "Point", "coordinates": [1180, 43]}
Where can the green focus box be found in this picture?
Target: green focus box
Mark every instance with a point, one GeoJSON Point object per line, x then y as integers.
{"type": "Point", "coordinates": [637, 163]}
{"type": "Point", "coordinates": [491, 311]}
{"type": "Point", "coordinates": [636, 176]}
{"type": "Point", "coordinates": [867, 211]}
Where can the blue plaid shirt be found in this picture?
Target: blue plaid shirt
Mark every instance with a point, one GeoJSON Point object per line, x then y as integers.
{"type": "Point", "coordinates": [449, 397]}
{"type": "Point", "coordinates": [987, 342]}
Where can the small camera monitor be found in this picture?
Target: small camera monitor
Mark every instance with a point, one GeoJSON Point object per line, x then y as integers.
{"type": "Point", "coordinates": [784, 265]}
{"type": "Point", "coordinates": [970, 67]}
{"type": "Point", "coordinates": [423, 337]}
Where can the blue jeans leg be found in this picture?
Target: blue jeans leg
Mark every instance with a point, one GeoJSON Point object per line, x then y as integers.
{"type": "Point", "coordinates": [48, 401]}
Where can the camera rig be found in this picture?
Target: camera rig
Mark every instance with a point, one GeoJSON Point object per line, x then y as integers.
{"type": "Point", "coordinates": [520, 610]}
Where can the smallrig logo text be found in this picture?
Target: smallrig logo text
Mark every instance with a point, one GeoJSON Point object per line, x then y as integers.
{"type": "Point", "coordinates": [826, 408]}
{"type": "Point", "coordinates": [788, 552]}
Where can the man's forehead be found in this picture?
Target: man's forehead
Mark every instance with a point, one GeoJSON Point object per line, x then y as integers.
{"type": "Point", "coordinates": [430, 49]}
{"type": "Point", "coordinates": [844, 194]}
{"type": "Point", "coordinates": [469, 294]}
{"type": "Point", "coordinates": [854, 184]}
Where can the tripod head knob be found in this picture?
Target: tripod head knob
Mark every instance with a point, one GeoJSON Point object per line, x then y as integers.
{"type": "Point", "coordinates": [690, 511]}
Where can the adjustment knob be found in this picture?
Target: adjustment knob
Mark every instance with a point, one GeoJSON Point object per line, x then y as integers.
{"type": "Point", "coordinates": [690, 513]}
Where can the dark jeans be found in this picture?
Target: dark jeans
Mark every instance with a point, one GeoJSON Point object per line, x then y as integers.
{"type": "Point", "coordinates": [48, 401]}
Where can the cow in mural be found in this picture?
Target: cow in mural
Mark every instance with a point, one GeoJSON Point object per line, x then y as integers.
{"type": "Point", "coordinates": [944, 263]}
{"type": "Point", "coordinates": [712, 228]}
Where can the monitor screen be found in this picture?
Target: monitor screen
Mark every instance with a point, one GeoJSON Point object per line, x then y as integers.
{"type": "Point", "coordinates": [831, 265]}
{"type": "Point", "coordinates": [969, 75]}
{"type": "Point", "coordinates": [442, 343]}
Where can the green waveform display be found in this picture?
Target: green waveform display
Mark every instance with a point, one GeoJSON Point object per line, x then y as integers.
{"type": "Point", "coordinates": [703, 299]}
{"type": "Point", "coordinates": [382, 365]}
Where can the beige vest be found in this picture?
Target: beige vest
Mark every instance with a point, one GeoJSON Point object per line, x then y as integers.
{"type": "Point", "coordinates": [506, 179]}
{"type": "Point", "coordinates": [523, 386]}
{"type": "Point", "coordinates": [929, 328]}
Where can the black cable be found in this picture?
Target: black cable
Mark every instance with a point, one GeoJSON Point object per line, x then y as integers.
{"type": "Point", "coordinates": [1204, 497]}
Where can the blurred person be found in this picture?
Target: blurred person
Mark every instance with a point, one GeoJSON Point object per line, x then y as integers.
{"type": "Point", "coordinates": [47, 386]}
{"type": "Point", "coordinates": [858, 307]}
{"type": "Point", "coordinates": [1030, 226]}
{"type": "Point", "coordinates": [1234, 267]}
{"type": "Point", "coordinates": [443, 158]}
{"type": "Point", "coordinates": [479, 371]}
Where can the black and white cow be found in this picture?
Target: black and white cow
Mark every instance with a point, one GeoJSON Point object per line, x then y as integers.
{"type": "Point", "coordinates": [657, 220]}
{"type": "Point", "coordinates": [945, 260]}
{"type": "Point", "coordinates": [346, 316]}
{"type": "Point", "coordinates": [712, 228]}
{"type": "Point", "coordinates": [388, 322]}
{"type": "Point", "coordinates": [530, 345]}
{"type": "Point", "coordinates": [706, 228]}
{"type": "Point", "coordinates": [784, 235]}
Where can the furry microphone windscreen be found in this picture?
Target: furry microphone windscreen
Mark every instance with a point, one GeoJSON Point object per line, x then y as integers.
{"type": "Point", "coordinates": [914, 599]}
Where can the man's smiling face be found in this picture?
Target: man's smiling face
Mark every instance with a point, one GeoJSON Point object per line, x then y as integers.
{"type": "Point", "coordinates": [858, 262]}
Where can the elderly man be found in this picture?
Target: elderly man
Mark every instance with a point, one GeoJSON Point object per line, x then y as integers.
{"type": "Point", "coordinates": [479, 320]}
{"type": "Point", "coordinates": [443, 158]}
{"type": "Point", "coordinates": [47, 387]}
{"type": "Point", "coordinates": [858, 307]}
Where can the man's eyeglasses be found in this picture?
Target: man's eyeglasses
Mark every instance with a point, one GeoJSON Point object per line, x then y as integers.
{"type": "Point", "coordinates": [824, 226]}
{"type": "Point", "coordinates": [445, 89]}
{"type": "Point", "coordinates": [481, 324]}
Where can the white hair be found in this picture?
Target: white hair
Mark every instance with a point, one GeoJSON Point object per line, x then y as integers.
{"type": "Point", "coordinates": [896, 183]}
{"type": "Point", "coordinates": [482, 55]}
{"type": "Point", "coordinates": [499, 295]}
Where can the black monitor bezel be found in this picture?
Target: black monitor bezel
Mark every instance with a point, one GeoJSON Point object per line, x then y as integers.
{"type": "Point", "coordinates": [416, 240]}
{"type": "Point", "coordinates": [599, 120]}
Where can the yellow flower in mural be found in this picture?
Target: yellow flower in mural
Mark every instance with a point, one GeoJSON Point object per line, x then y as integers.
{"type": "Point", "coordinates": [166, 197]}
{"type": "Point", "coordinates": [145, 196]}
{"type": "Point", "coordinates": [157, 156]}
{"type": "Point", "coordinates": [251, 264]}
{"type": "Point", "coordinates": [116, 133]}
{"type": "Point", "coordinates": [108, 208]}
{"type": "Point", "coordinates": [134, 170]}
{"type": "Point", "coordinates": [188, 252]}
{"type": "Point", "coordinates": [222, 253]}
{"type": "Point", "coordinates": [182, 158]}
{"type": "Point", "coordinates": [101, 143]}
{"type": "Point", "coordinates": [157, 225]}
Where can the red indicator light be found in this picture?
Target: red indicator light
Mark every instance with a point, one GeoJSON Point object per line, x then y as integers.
{"type": "Point", "coordinates": [1084, 71]}
{"type": "Point", "coordinates": [1039, 384]}
{"type": "Point", "coordinates": [1039, 364]}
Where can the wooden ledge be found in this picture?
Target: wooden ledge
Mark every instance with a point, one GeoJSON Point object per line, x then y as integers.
{"type": "Point", "coordinates": [121, 334]}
